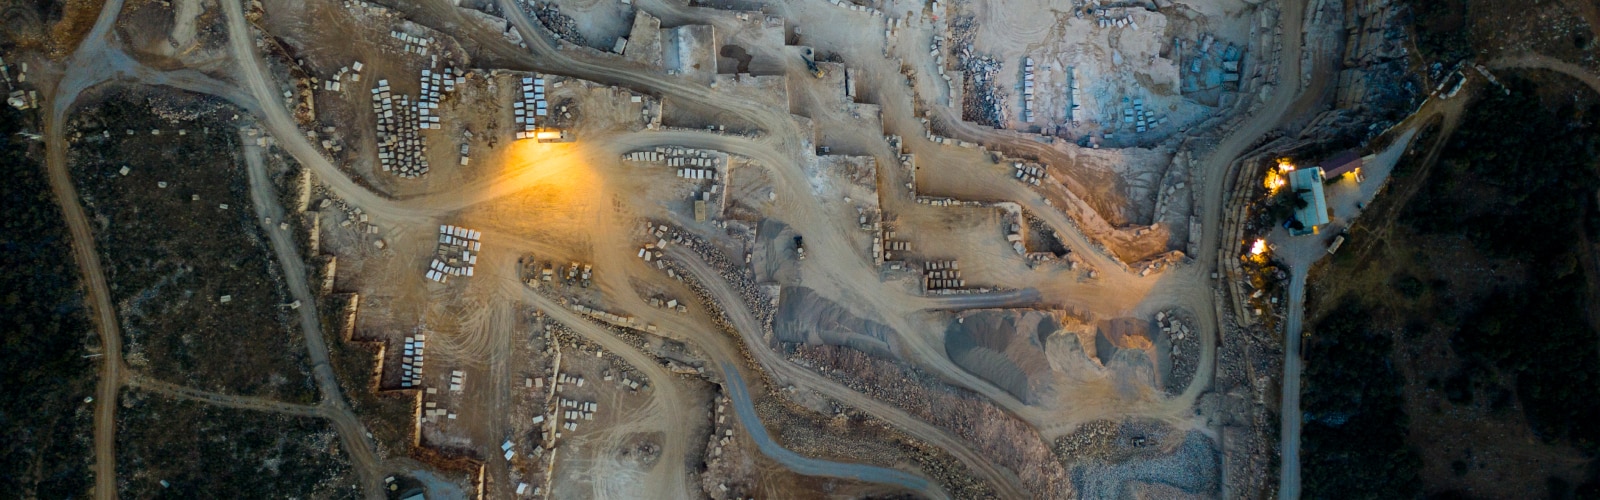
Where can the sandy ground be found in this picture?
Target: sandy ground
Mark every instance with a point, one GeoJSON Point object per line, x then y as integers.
{"type": "Point", "coordinates": [567, 220]}
{"type": "Point", "coordinates": [580, 202]}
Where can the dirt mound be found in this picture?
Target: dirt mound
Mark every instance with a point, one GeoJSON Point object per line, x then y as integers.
{"type": "Point", "coordinates": [806, 317]}
{"type": "Point", "coordinates": [773, 258]}
{"type": "Point", "coordinates": [1126, 347]}
{"type": "Point", "coordinates": [1005, 347]}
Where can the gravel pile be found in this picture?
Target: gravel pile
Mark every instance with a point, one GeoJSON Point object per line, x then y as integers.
{"type": "Point", "coordinates": [1178, 326]}
{"type": "Point", "coordinates": [1194, 468]}
{"type": "Point", "coordinates": [560, 24]}
{"type": "Point", "coordinates": [981, 101]}
{"type": "Point", "coordinates": [1091, 441]}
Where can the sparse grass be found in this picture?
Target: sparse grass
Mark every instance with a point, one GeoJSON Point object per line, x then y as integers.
{"type": "Point", "coordinates": [1463, 309]}
{"type": "Point", "coordinates": [171, 253]}
{"type": "Point", "coordinates": [1441, 29]}
{"type": "Point", "coordinates": [205, 451]}
{"type": "Point", "coordinates": [1355, 438]}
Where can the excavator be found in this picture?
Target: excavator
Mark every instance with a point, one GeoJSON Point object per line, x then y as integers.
{"type": "Point", "coordinates": [811, 63]}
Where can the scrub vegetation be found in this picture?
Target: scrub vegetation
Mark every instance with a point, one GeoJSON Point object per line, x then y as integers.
{"type": "Point", "coordinates": [201, 301]}
{"type": "Point", "coordinates": [45, 333]}
{"type": "Point", "coordinates": [205, 451]}
{"type": "Point", "coordinates": [1457, 343]}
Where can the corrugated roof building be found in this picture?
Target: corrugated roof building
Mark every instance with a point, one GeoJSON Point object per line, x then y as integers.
{"type": "Point", "coordinates": [1340, 164]}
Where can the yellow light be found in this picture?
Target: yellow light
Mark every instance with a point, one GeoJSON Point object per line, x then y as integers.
{"type": "Point", "coordinates": [556, 167]}
{"type": "Point", "coordinates": [1285, 166]}
{"type": "Point", "coordinates": [547, 134]}
{"type": "Point", "coordinates": [1274, 181]}
{"type": "Point", "coordinates": [1259, 247]}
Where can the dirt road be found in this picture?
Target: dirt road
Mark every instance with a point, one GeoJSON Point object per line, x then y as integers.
{"type": "Point", "coordinates": [98, 59]}
{"type": "Point", "coordinates": [219, 399]}
{"type": "Point", "coordinates": [84, 70]}
{"type": "Point", "coordinates": [668, 405]}
{"type": "Point", "coordinates": [1213, 172]}
{"type": "Point", "coordinates": [811, 466]}
{"type": "Point", "coordinates": [275, 117]}
{"type": "Point", "coordinates": [1541, 61]}
{"type": "Point", "coordinates": [1289, 469]}
{"type": "Point", "coordinates": [1213, 180]}
{"type": "Point", "coordinates": [105, 315]}
{"type": "Point", "coordinates": [749, 329]}
{"type": "Point", "coordinates": [352, 433]}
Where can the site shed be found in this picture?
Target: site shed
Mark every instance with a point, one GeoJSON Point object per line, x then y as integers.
{"type": "Point", "coordinates": [1307, 183]}
{"type": "Point", "coordinates": [1340, 164]}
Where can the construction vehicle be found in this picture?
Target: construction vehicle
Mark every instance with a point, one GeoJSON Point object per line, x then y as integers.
{"type": "Point", "coordinates": [811, 63]}
{"type": "Point", "coordinates": [800, 247]}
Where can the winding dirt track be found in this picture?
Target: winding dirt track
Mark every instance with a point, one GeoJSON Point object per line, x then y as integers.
{"type": "Point", "coordinates": [94, 279]}
{"type": "Point", "coordinates": [97, 60]}
{"type": "Point", "coordinates": [1004, 481]}
{"type": "Point", "coordinates": [227, 400]}
{"type": "Point", "coordinates": [352, 433]}
{"type": "Point", "coordinates": [666, 402]}
{"type": "Point", "coordinates": [83, 246]}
